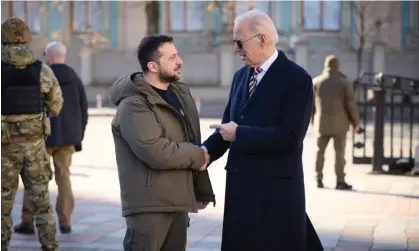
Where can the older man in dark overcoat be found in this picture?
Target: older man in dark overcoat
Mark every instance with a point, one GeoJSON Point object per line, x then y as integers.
{"type": "Point", "coordinates": [264, 125]}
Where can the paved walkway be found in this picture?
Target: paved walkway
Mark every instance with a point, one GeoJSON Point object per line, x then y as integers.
{"type": "Point", "coordinates": [381, 214]}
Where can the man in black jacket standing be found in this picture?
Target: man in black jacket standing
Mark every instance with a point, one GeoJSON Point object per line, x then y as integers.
{"type": "Point", "coordinates": [67, 133]}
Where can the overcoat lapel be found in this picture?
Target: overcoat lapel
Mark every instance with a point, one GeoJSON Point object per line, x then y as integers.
{"type": "Point", "coordinates": [245, 86]}
{"type": "Point", "coordinates": [240, 96]}
{"type": "Point", "coordinates": [270, 77]}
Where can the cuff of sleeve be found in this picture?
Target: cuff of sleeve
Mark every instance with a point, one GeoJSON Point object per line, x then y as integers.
{"type": "Point", "coordinates": [205, 148]}
{"type": "Point", "coordinates": [199, 160]}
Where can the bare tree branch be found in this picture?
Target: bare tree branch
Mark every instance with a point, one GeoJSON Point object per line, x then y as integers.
{"type": "Point", "coordinates": [365, 29]}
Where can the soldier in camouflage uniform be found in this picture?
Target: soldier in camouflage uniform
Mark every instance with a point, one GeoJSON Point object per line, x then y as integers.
{"type": "Point", "coordinates": [29, 94]}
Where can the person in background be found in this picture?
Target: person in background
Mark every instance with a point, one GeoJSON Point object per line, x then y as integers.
{"type": "Point", "coordinates": [29, 92]}
{"type": "Point", "coordinates": [334, 111]}
{"type": "Point", "coordinates": [67, 133]}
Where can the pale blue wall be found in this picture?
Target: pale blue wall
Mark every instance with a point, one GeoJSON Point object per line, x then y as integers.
{"type": "Point", "coordinates": [404, 22]}
{"type": "Point", "coordinates": [345, 16]}
{"type": "Point", "coordinates": [282, 12]}
{"type": "Point", "coordinates": [114, 24]}
{"type": "Point", "coordinates": [285, 14]}
{"type": "Point", "coordinates": [55, 19]}
{"type": "Point", "coordinates": [406, 16]}
{"type": "Point", "coordinates": [162, 10]}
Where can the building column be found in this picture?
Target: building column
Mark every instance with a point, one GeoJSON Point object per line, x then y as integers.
{"type": "Point", "coordinates": [86, 66]}
{"type": "Point", "coordinates": [79, 56]}
{"type": "Point", "coordinates": [226, 61]}
{"type": "Point", "coordinates": [301, 46]}
{"type": "Point", "coordinates": [379, 57]}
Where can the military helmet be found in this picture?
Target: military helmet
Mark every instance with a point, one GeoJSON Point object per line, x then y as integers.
{"type": "Point", "coordinates": [15, 31]}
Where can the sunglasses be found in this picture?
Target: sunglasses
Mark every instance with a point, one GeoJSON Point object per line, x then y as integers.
{"type": "Point", "coordinates": [240, 43]}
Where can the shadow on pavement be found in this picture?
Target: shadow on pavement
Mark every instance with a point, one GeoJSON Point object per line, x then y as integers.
{"type": "Point", "coordinates": [408, 196]}
{"type": "Point", "coordinates": [98, 225]}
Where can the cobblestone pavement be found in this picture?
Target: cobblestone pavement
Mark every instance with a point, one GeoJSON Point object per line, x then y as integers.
{"type": "Point", "coordinates": [381, 214]}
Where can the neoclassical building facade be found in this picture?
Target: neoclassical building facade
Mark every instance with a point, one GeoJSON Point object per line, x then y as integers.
{"type": "Point", "coordinates": [102, 35]}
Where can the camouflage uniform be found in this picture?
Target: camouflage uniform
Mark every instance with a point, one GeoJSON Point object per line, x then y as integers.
{"type": "Point", "coordinates": [23, 150]}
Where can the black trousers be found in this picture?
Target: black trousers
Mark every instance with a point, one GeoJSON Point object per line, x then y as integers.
{"type": "Point", "coordinates": [156, 232]}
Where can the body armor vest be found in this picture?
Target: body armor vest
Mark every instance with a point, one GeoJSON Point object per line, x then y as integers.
{"type": "Point", "coordinates": [21, 89]}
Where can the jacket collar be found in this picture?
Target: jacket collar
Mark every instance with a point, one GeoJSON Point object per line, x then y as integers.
{"type": "Point", "coordinates": [178, 87]}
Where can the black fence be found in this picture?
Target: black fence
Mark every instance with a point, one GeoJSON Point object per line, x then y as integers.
{"type": "Point", "coordinates": [389, 111]}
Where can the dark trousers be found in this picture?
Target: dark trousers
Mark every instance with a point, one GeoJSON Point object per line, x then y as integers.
{"type": "Point", "coordinates": [156, 232]}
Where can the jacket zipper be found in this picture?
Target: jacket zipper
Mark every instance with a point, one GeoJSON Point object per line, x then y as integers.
{"type": "Point", "coordinates": [185, 129]}
{"type": "Point", "coordinates": [184, 124]}
{"type": "Point", "coordinates": [150, 173]}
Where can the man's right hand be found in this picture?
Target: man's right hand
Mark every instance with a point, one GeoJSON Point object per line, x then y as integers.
{"type": "Point", "coordinates": [356, 128]}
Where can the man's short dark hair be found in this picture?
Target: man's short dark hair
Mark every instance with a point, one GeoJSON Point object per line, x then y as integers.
{"type": "Point", "coordinates": [148, 50]}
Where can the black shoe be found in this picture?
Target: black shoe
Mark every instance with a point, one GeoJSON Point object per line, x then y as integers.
{"type": "Point", "coordinates": [320, 184]}
{"type": "Point", "coordinates": [24, 228]}
{"type": "Point", "coordinates": [65, 230]}
{"type": "Point", "coordinates": [48, 249]}
{"type": "Point", "coordinates": [343, 186]}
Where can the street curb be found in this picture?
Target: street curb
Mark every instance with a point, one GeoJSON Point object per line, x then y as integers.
{"type": "Point", "coordinates": [101, 112]}
{"type": "Point", "coordinates": [109, 112]}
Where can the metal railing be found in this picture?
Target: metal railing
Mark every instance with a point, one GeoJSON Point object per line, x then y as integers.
{"type": "Point", "coordinates": [386, 102]}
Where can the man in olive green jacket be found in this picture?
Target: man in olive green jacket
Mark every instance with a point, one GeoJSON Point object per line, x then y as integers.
{"type": "Point", "coordinates": [161, 166]}
{"type": "Point", "coordinates": [334, 111]}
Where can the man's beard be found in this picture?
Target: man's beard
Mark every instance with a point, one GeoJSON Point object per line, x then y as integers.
{"type": "Point", "coordinates": [166, 78]}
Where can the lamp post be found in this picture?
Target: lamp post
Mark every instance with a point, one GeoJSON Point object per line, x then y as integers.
{"type": "Point", "coordinates": [379, 94]}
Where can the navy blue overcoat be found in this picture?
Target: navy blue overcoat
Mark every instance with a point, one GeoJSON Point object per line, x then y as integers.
{"type": "Point", "coordinates": [264, 199]}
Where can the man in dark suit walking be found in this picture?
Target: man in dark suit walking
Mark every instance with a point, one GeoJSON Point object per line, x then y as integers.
{"type": "Point", "coordinates": [264, 125]}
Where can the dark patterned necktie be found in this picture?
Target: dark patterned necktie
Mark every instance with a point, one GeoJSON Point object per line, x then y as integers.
{"type": "Point", "coordinates": [253, 80]}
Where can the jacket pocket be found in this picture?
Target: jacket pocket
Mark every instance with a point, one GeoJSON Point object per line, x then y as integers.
{"type": "Point", "coordinates": [149, 176]}
{"type": "Point", "coordinates": [32, 127]}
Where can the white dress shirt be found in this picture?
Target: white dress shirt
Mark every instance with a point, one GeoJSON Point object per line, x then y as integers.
{"type": "Point", "coordinates": [265, 66]}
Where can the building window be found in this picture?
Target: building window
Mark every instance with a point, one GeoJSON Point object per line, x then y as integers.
{"type": "Point", "coordinates": [29, 12]}
{"type": "Point", "coordinates": [243, 6]}
{"type": "Point", "coordinates": [87, 15]}
{"type": "Point", "coordinates": [321, 15]}
{"type": "Point", "coordinates": [185, 15]}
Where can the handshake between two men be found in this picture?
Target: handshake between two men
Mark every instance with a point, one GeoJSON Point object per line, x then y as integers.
{"type": "Point", "coordinates": [227, 131]}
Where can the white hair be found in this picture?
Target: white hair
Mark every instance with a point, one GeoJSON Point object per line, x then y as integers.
{"type": "Point", "coordinates": [56, 48]}
{"type": "Point", "coordinates": [259, 22]}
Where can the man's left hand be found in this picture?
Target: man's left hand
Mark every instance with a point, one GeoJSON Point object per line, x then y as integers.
{"type": "Point", "coordinates": [202, 205]}
{"type": "Point", "coordinates": [227, 131]}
